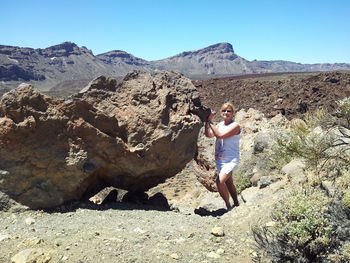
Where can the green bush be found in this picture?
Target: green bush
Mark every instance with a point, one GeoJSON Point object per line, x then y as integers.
{"type": "Point", "coordinates": [309, 139]}
{"type": "Point", "coordinates": [301, 233]}
{"type": "Point", "coordinates": [241, 182]}
{"type": "Point", "coordinates": [310, 226]}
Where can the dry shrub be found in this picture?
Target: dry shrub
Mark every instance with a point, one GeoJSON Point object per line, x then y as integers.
{"type": "Point", "coordinates": [313, 225]}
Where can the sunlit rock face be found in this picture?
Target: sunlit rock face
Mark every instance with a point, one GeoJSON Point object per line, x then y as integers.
{"type": "Point", "coordinates": [132, 136]}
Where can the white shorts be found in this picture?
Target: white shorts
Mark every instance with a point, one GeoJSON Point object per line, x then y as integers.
{"type": "Point", "coordinates": [227, 165]}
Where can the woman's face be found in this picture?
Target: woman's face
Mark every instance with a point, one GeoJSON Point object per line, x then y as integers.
{"type": "Point", "coordinates": [227, 113]}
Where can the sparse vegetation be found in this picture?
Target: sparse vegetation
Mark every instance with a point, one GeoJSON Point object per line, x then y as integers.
{"type": "Point", "coordinates": [310, 139]}
{"type": "Point", "coordinates": [241, 181]}
{"type": "Point", "coordinates": [312, 225]}
{"type": "Point", "coordinates": [302, 231]}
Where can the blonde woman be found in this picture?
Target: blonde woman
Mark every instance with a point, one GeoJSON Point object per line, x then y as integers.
{"type": "Point", "coordinates": [227, 154]}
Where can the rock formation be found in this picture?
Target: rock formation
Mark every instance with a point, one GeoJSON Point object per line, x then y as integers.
{"type": "Point", "coordinates": [132, 136]}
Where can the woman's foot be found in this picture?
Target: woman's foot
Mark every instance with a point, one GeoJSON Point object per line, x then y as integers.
{"type": "Point", "coordinates": [230, 209]}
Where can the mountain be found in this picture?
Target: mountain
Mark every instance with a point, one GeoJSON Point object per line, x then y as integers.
{"type": "Point", "coordinates": [67, 63]}
{"type": "Point", "coordinates": [215, 60]}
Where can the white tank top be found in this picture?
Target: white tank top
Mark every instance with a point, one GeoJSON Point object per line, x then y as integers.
{"type": "Point", "coordinates": [227, 148]}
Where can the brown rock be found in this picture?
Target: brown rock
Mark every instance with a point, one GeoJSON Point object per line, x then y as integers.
{"type": "Point", "coordinates": [204, 165]}
{"type": "Point", "coordinates": [131, 136]}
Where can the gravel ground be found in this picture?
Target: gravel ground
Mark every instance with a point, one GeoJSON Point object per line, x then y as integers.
{"type": "Point", "coordinates": [126, 232]}
{"type": "Point", "coordinates": [119, 233]}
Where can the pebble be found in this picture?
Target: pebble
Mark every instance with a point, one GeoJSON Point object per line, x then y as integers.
{"type": "Point", "coordinates": [218, 231]}
{"type": "Point", "coordinates": [270, 224]}
{"type": "Point", "coordinates": [190, 235]}
{"type": "Point", "coordinates": [31, 255]}
{"type": "Point", "coordinates": [4, 237]}
{"type": "Point", "coordinates": [213, 255]}
{"type": "Point", "coordinates": [29, 221]}
{"type": "Point", "coordinates": [174, 256]}
{"type": "Point", "coordinates": [220, 251]}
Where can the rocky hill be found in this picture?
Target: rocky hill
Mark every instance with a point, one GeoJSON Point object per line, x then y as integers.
{"type": "Point", "coordinates": [46, 68]}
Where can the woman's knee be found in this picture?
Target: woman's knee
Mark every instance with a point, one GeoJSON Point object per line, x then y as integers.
{"type": "Point", "coordinates": [222, 178]}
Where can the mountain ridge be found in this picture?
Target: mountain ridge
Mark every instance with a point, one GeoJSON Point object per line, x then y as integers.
{"type": "Point", "coordinates": [46, 68]}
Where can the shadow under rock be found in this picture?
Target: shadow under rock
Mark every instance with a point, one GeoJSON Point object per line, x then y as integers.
{"type": "Point", "coordinates": [204, 212]}
{"type": "Point", "coordinates": [111, 199]}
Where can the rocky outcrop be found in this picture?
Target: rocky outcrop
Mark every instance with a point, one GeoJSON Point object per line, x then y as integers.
{"type": "Point", "coordinates": [132, 136]}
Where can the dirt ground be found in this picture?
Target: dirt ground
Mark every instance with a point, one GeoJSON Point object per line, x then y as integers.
{"type": "Point", "coordinates": [195, 229]}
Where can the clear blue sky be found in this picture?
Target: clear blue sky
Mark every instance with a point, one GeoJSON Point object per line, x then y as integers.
{"type": "Point", "coordinates": [305, 31]}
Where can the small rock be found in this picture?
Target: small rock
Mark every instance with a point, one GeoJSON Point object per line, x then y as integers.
{"type": "Point", "coordinates": [31, 255]}
{"type": "Point", "coordinates": [270, 224]}
{"type": "Point", "coordinates": [32, 241]}
{"type": "Point", "coordinates": [29, 221]}
{"type": "Point", "coordinates": [218, 231]}
{"type": "Point", "coordinates": [174, 256]}
{"type": "Point", "coordinates": [213, 255]}
{"type": "Point", "coordinates": [190, 235]}
{"type": "Point", "coordinates": [4, 237]}
{"type": "Point", "coordinates": [220, 251]}
{"type": "Point", "coordinates": [264, 181]}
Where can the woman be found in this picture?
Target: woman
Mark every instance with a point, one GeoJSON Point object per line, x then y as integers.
{"type": "Point", "coordinates": [227, 135]}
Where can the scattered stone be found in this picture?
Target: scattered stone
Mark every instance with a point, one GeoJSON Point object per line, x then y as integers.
{"type": "Point", "coordinates": [213, 255]}
{"type": "Point", "coordinates": [265, 181]}
{"type": "Point", "coordinates": [4, 237]}
{"type": "Point", "coordinates": [255, 178]}
{"type": "Point", "coordinates": [220, 251]}
{"type": "Point", "coordinates": [190, 235]}
{"type": "Point", "coordinates": [174, 256]}
{"type": "Point", "coordinates": [31, 255]}
{"type": "Point", "coordinates": [218, 231]}
{"type": "Point", "coordinates": [29, 221]}
{"type": "Point", "coordinates": [270, 224]}
{"type": "Point", "coordinates": [262, 141]}
{"type": "Point", "coordinates": [32, 241]}
{"type": "Point", "coordinates": [295, 171]}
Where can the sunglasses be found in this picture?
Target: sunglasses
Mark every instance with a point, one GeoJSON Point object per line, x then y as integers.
{"type": "Point", "coordinates": [226, 111]}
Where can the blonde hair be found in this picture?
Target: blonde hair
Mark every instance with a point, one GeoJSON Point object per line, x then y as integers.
{"type": "Point", "coordinates": [228, 105]}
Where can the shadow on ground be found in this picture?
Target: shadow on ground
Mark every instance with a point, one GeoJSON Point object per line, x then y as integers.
{"type": "Point", "coordinates": [204, 212]}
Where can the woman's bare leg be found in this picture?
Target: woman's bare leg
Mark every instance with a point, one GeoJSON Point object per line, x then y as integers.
{"type": "Point", "coordinates": [222, 188]}
{"type": "Point", "coordinates": [232, 189]}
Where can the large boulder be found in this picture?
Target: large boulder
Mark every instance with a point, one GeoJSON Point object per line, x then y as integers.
{"type": "Point", "coordinates": [131, 135]}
